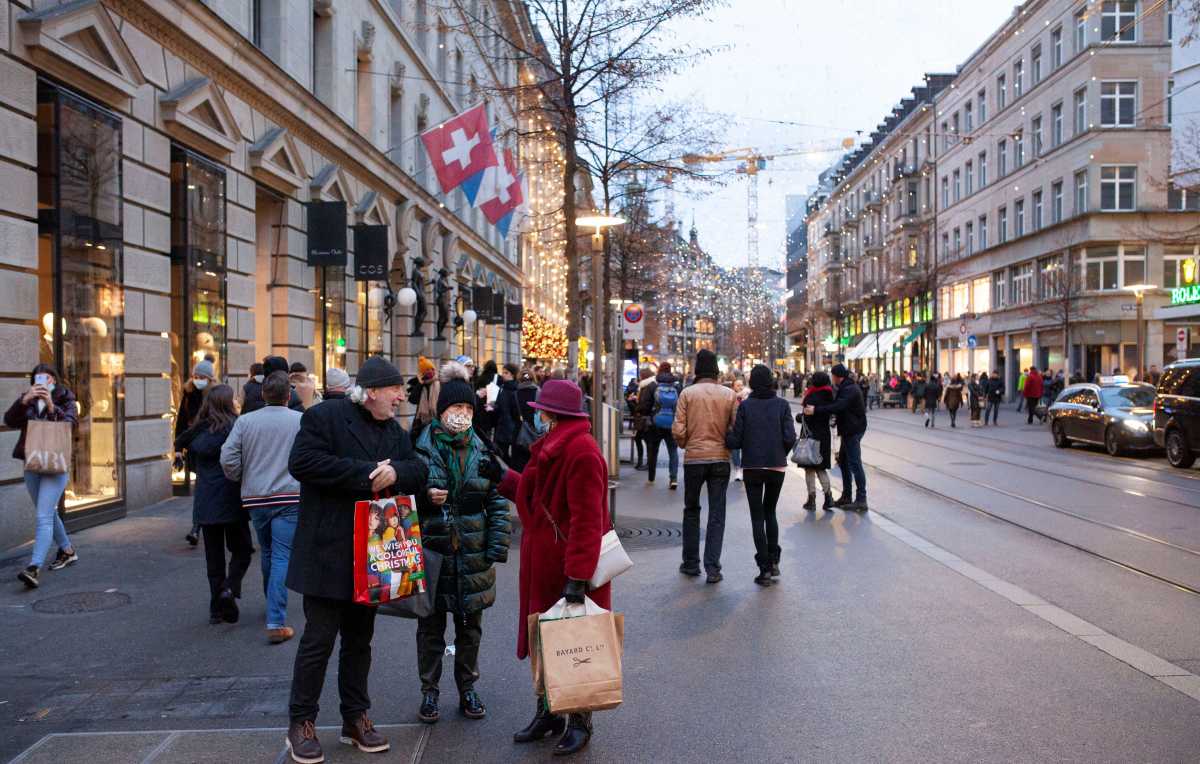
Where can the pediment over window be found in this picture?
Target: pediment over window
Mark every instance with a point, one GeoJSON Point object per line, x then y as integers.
{"type": "Point", "coordinates": [196, 113]}
{"type": "Point", "coordinates": [370, 209]}
{"type": "Point", "coordinates": [80, 43]}
{"type": "Point", "coordinates": [330, 184]}
{"type": "Point", "coordinates": [275, 160]}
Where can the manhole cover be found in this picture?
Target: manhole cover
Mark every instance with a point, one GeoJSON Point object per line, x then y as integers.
{"type": "Point", "coordinates": [82, 602]}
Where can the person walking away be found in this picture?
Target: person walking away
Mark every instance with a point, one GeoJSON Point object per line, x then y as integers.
{"type": "Point", "coordinates": [953, 398]}
{"type": "Point", "coordinates": [465, 520]}
{"type": "Point", "coordinates": [641, 422]}
{"type": "Point", "coordinates": [508, 412]}
{"type": "Point", "coordinates": [904, 387]}
{"type": "Point", "coordinates": [1032, 392]}
{"type": "Point", "coordinates": [423, 392]}
{"type": "Point", "coordinates": [820, 393]}
{"type": "Point", "coordinates": [847, 406]}
{"type": "Point", "coordinates": [217, 505]}
{"type": "Point", "coordinates": [46, 400]}
{"type": "Point", "coordinates": [918, 391]}
{"type": "Point", "coordinates": [252, 387]}
{"type": "Point", "coordinates": [874, 391]}
{"type": "Point", "coordinates": [995, 396]}
{"type": "Point", "coordinates": [347, 451]}
{"type": "Point", "coordinates": [1021, 390]}
{"type": "Point", "coordinates": [190, 402]}
{"type": "Point", "coordinates": [933, 398]}
{"type": "Point", "coordinates": [740, 393]}
{"type": "Point", "coordinates": [337, 384]}
{"type": "Point", "coordinates": [304, 386]}
{"type": "Point", "coordinates": [256, 454]}
{"type": "Point", "coordinates": [977, 397]}
{"type": "Point", "coordinates": [797, 384]}
{"type": "Point", "coordinates": [763, 431]}
{"type": "Point", "coordinates": [704, 415]}
{"type": "Point", "coordinates": [254, 400]}
{"type": "Point", "coordinates": [485, 410]}
{"type": "Point", "coordinates": [657, 401]}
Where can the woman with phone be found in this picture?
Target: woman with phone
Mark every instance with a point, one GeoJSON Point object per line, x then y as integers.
{"type": "Point", "coordinates": [49, 401]}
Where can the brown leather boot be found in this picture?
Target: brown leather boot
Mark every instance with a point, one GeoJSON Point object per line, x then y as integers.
{"type": "Point", "coordinates": [303, 745]}
{"type": "Point", "coordinates": [362, 735]}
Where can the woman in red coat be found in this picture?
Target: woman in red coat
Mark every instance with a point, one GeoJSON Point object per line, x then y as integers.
{"type": "Point", "coordinates": [562, 500]}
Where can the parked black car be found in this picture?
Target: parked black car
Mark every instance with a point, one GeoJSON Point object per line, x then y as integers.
{"type": "Point", "coordinates": [1116, 414]}
{"type": "Point", "coordinates": [1177, 412]}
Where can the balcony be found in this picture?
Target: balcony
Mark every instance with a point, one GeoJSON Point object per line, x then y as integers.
{"type": "Point", "coordinates": [831, 233]}
{"type": "Point", "coordinates": [905, 171]}
{"type": "Point", "coordinates": [873, 201]}
{"type": "Point", "coordinates": [872, 246]}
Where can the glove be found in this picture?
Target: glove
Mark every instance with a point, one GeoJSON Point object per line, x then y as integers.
{"type": "Point", "coordinates": [491, 468]}
{"type": "Point", "coordinates": [574, 590]}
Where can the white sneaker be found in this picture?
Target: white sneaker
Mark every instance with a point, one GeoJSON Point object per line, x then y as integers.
{"type": "Point", "coordinates": [737, 474]}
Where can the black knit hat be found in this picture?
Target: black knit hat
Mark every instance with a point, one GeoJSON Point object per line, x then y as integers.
{"type": "Point", "coordinates": [761, 378]}
{"type": "Point", "coordinates": [452, 392]}
{"type": "Point", "coordinates": [376, 372]}
{"type": "Point", "coordinates": [706, 364]}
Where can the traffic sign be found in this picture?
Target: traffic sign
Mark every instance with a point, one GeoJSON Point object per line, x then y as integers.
{"type": "Point", "coordinates": [962, 328]}
{"type": "Point", "coordinates": [633, 322]}
{"type": "Point", "coordinates": [972, 341]}
{"type": "Point", "coordinates": [1181, 343]}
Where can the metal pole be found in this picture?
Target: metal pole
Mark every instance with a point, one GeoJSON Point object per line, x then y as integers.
{"type": "Point", "coordinates": [1140, 352]}
{"type": "Point", "coordinates": [597, 338]}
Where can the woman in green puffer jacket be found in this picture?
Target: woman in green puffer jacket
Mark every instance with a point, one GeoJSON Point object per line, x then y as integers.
{"type": "Point", "coordinates": [466, 520]}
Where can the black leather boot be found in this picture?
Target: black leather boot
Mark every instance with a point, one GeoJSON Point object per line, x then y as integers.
{"type": "Point", "coordinates": [544, 723]}
{"type": "Point", "coordinates": [577, 735]}
{"type": "Point", "coordinates": [828, 505]}
{"type": "Point", "coordinates": [811, 504]}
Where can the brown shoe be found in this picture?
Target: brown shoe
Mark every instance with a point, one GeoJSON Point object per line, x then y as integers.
{"type": "Point", "coordinates": [303, 745]}
{"type": "Point", "coordinates": [283, 634]}
{"type": "Point", "coordinates": [362, 735]}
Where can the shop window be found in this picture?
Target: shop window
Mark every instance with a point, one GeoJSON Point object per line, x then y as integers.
{"type": "Point", "coordinates": [329, 344]}
{"type": "Point", "coordinates": [80, 298]}
{"type": "Point", "coordinates": [1180, 266]}
{"type": "Point", "coordinates": [371, 296]}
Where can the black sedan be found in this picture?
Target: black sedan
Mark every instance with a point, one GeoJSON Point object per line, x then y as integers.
{"type": "Point", "coordinates": [1118, 415]}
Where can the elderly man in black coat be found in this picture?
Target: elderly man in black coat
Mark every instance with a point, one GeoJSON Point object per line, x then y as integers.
{"type": "Point", "coordinates": [347, 450]}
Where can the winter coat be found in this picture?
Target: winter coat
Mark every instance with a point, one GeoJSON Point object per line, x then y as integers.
{"type": "Point", "coordinates": [933, 394]}
{"type": "Point", "coordinates": [337, 448]}
{"type": "Point", "coordinates": [1033, 386]}
{"type": "Point", "coordinates": [250, 390]}
{"type": "Point", "coordinates": [995, 390]}
{"type": "Point", "coordinates": [953, 396]}
{"type": "Point", "coordinates": [252, 399]}
{"type": "Point", "coordinates": [527, 393]}
{"type": "Point", "coordinates": [19, 415]}
{"type": "Point", "coordinates": [508, 413]}
{"type": "Point", "coordinates": [189, 408]}
{"type": "Point", "coordinates": [703, 417]}
{"type": "Point", "coordinates": [904, 387]}
{"type": "Point", "coordinates": [848, 407]}
{"type": "Point", "coordinates": [818, 423]}
{"type": "Point", "coordinates": [764, 431]}
{"type": "Point", "coordinates": [474, 512]}
{"type": "Point", "coordinates": [647, 404]}
{"type": "Point", "coordinates": [562, 500]}
{"type": "Point", "coordinates": [918, 389]}
{"type": "Point", "coordinates": [976, 393]}
{"type": "Point", "coordinates": [216, 499]}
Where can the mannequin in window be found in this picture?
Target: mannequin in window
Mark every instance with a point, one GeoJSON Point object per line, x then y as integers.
{"type": "Point", "coordinates": [417, 282]}
{"type": "Point", "coordinates": [441, 292]}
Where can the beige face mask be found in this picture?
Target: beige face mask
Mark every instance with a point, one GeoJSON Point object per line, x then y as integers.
{"type": "Point", "coordinates": [456, 422]}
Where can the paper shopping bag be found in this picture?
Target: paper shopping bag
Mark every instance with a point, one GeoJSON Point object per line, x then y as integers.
{"type": "Point", "coordinates": [47, 446]}
{"type": "Point", "coordinates": [389, 561]}
{"type": "Point", "coordinates": [580, 660]}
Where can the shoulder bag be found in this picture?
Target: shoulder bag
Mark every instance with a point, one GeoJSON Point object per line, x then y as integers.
{"type": "Point", "coordinates": [807, 451]}
{"type": "Point", "coordinates": [613, 560]}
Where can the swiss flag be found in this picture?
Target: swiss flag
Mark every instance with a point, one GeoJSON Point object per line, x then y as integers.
{"type": "Point", "coordinates": [500, 192]}
{"type": "Point", "coordinates": [460, 147]}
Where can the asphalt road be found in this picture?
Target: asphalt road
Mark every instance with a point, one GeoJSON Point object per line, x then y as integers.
{"type": "Point", "coordinates": [910, 634]}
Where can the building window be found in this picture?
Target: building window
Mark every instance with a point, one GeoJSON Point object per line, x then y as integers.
{"type": "Point", "coordinates": [983, 236]}
{"type": "Point", "coordinates": [1019, 218]}
{"type": "Point", "coordinates": [1170, 101]}
{"type": "Point", "coordinates": [1117, 101]}
{"type": "Point", "coordinates": [999, 289]}
{"type": "Point", "coordinates": [80, 295]}
{"type": "Point", "coordinates": [1051, 276]}
{"type": "Point", "coordinates": [945, 135]}
{"type": "Point", "coordinates": [1035, 63]}
{"type": "Point", "coordinates": [957, 185]}
{"type": "Point", "coordinates": [442, 52]}
{"type": "Point", "coordinates": [945, 192]}
{"type": "Point", "coordinates": [1173, 265]}
{"type": "Point", "coordinates": [1018, 149]}
{"type": "Point", "coordinates": [421, 24]}
{"type": "Point", "coordinates": [1080, 27]}
{"type": "Point", "coordinates": [957, 242]}
{"type": "Point", "coordinates": [1117, 188]}
{"type": "Point", "coordinates": [329, 340]}
{"type": "Point", "coordinates": [1101, 269]}
{"type": "Point", "coordinates": [954, 130]}
{"type": "Point", "coordinates": [970, 178]}
{"type": "Point", "coordinates": [1081, 192]}
{"type": "Point", "coordinates": [1081, 124]}
{"type": "Point", "coordinates": [968, 117]}
{"type": "Point", "coordinates": [1018, 78]}
{"type": "Point", "coordinates": [1056, 201]}
{"type": "Point", "coordinates": [395, 150]}
{"type": "Point", "coordinates": [1056, 53]}
{"type": "Point", "coordinates": [981, 103]}
{"type": "Point", "coordinates": [912, 197]}
{"type": "Point", "coordinates": [970, 239]}
{"type": "Point", "coordinates": [1035, 129]}
{"type": "Point", "coordinates": [1118, 21]}
{"type": "Point", "coordinates": [1002, 157]}
{"type": "Point", "coordinates": [371, 296]}
{"type": "Point", "coordinates": [983, 179]}
{"type": "Point", "coordinates": [945, 247]}
{"type": "Point", "coordinates": [1001, 93]}
{"type": "Point", "coordinates": [1002, 224]}
{"type": "Point", "coordinates": [960, 294]}
{"type": "Point", "coordinates": [1133, 265]}
{"type": "Point", "coordinates": [1022, 284]}
{"type": "Point", "coordinates": [1056, 125]}
{"type": "Point", "coordinates": [1180, 199]}
{"type": "Point", "coordinates": [1037, 210]}
{"type": "Point", "coordinates": [322, 56]}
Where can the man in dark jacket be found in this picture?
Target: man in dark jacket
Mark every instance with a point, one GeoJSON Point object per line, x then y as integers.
{"type": "Point", "coordinates": [851, 416]}
{"type": "Point", "coordinates": [508, 411]}
{"type": "Point", "coordinates": [347, 450]}
{"type": "Point", "coordinates": [995, 395]}
{"type": "Point", "coordinates": [252, 399]}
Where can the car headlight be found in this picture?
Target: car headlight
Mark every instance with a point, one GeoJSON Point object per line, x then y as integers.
{"type": "Point", "coordinates": [1136, 425]}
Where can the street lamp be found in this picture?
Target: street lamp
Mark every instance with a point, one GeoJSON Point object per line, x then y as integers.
{"type": "Point", "coordinates": [1139, 291]}
{"type": "Point", "coordinates": [599, 222]}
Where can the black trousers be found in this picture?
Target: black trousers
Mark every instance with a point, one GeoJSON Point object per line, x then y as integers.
{"type": "Point", "coordinates": [696, 476]}
{"type": "Point", "coordinates": [431, 646]}
{"type": "Point", "coordinates": [324, 620]}
{"type": "Point", "coordinates": [639, 443]}
{"type": "Point", "coordinates": [762, 493]}
{"type": "Point", "coordinates": [236, 537]}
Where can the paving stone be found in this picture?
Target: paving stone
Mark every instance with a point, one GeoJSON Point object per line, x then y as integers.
{"type": "Point", "coordinates": [57, 749]}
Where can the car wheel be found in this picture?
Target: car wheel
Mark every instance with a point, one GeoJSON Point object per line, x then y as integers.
{"type": "Point", "coordinates": [1111, 444]}
{"type": "Point", "coordinates": [1178, 453]}
{"type": "Point", "coordinates": [1060, 437]}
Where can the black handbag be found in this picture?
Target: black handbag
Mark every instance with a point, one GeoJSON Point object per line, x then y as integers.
{"type": "Point", "coordinates": [421, 604]}
{"type": "Point", "coordinates": [526, 436]}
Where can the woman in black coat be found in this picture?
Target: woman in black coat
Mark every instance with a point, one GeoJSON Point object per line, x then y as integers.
{"type": "Point", "coordinates": [764, 433]}
{"type": "Point", "coordinates": [508, 415]}
{"type": "Point", "coordinates": [819, 393]}
{"type": "Point", "coordinates": [217, 504]}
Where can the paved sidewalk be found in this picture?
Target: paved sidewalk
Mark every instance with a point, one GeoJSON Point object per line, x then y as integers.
{"type": "Point", "coordinates": [867, 649]}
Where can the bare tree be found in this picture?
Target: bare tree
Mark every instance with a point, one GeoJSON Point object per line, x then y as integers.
{"type": "Point", "coordinates": [1061, 285]}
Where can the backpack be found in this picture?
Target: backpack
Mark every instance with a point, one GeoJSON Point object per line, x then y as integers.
{"type": "Point", "coordinates": [665, 398]}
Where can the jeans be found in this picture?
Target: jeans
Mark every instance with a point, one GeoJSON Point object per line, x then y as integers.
{"type": "Point", "coordinates": [324, 620]}
{"type": "Point", "coordinates": [431, 647]}
{"type": "Point", "coordinates": [46, 490]}
{"type": "Point", "coordinates": [1031, 409]}
{"type": "Point", "coordinates": [850, 463]}
{"type": "Point", "coordinates": [695, 476]}
{"type": "Point", "coordinates": [656, 436]}
{"type": "Point", "coordinates": [762, 492]}
{"type": "Point", "coordinates": [235, 536]}
{"type": "Point", "coordinates": [993, 411]}
{"type": "Point", "coordinates": [275, 527]}
{"type": "Point", "coordinates": [736, 456]}
{"type": "Point", "coordinates": [1020, 403]}
{"type": "Point", "coordinates": [931, 415]}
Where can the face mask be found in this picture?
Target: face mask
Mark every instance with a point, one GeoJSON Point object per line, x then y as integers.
{"type": "Point", "coordinates": [456, 422]}
{"type": "Point", "coordinates": [539, 424]}
{"type": "Point", "coordinates": [258, 378]}
{"type": "Point", "coordinates": [200, 383]}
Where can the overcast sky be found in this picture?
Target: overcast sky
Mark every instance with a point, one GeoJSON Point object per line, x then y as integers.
{"type": "Point", "coordinates": [837, 65]}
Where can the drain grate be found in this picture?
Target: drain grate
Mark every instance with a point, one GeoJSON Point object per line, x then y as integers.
{"type": "Point", "coordinates": [636, 532]}
{"type": "Point", "coordinates": [82, 602]}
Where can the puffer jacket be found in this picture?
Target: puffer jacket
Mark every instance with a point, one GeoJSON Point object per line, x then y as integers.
{"type": "Point", "coordinates": [705, 413]}
{"type": "Point", "coordinates": [477, 515]}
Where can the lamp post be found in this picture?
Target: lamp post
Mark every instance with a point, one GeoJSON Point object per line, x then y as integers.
{"type": "Point", "coordinates": [1139, 291]}
{"type": "Point", "coordinates": [600, 223]}
{"type": "Point", "coordinates": [616, 361]}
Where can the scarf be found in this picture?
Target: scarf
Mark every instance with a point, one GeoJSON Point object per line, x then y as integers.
{"type": "Point", "coordinates": [812, 390]}
{"type": "Point", "coordinates": [453, 449]}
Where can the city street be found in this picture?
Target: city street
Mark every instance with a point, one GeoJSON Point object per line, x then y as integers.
{"type": "Point", "coordinates": [1002, 601]}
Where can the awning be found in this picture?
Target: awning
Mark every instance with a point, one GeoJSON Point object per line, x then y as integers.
{"type": "Point", "coordinates": [857, 351]}
{"type": "Point", "coordinates": [916, 333]}
{"type": "Point", "coordinates": [875, 345]}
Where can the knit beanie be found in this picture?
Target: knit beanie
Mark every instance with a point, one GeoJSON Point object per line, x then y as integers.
{"type": "Point", "coordinates": [376, 372]}
{"type": "Point", "coordinates": [455, 387]}
{"type": "Point", "coordinates": [761, 378]}
{"type": "Point", "coordinates": [204, 369]}
{"type": "Point", "coordinates": [336, 379]}
{"type": "Point", "coordinates": [706, 364]}
{"type": "Point", "coordinates": [425, 369]}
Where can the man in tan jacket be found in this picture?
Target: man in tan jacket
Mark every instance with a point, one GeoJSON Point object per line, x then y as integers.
{"type": "Point", "coordinates": [706, 411]}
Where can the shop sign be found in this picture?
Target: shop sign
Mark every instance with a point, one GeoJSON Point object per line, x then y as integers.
{"type": "Point", "coordinates": [1185, 295]}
